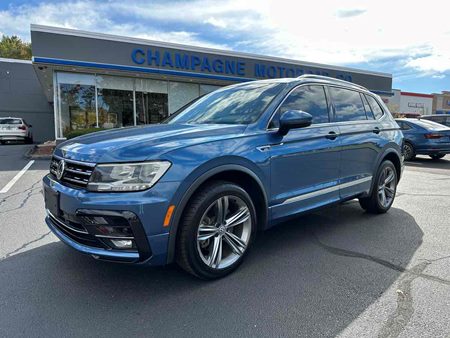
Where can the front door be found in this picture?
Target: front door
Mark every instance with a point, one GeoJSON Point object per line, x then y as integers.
{"type": "Point", "coordinates": [305, 162]}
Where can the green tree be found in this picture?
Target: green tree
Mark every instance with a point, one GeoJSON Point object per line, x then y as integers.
{"type": "Point", "coordinates": [14, 48]}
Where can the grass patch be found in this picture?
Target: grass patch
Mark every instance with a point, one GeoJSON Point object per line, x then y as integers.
{"type": "Point", "coordinates": [80, 132]}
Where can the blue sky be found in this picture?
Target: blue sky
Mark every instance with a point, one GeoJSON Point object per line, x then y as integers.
{"type": "Point", "coordinates": [410, 41]}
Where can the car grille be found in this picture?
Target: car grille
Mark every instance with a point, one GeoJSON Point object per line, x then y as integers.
{"type": "Point", "coordinates": [75, 173]}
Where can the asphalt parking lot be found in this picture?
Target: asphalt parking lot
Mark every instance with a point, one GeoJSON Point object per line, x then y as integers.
{"type": "Point", "coordinates": [337, 271]}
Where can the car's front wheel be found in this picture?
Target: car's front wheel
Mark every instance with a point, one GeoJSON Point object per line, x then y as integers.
{"type": "Point", "coordinates": [383, 191]}
{"type": "Point", "coordinates": [216, 231]}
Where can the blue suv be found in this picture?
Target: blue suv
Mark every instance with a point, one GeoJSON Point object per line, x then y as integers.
{"type": "Point", "coordinates": [196, 188]}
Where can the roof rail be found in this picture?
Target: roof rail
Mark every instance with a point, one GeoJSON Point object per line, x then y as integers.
{"type": "Point", "coordinates": [332, 79]}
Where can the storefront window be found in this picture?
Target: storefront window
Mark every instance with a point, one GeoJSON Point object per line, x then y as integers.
{"type": "Point", "coordinates": [115, 108]}
{"type": "Point", "coordinates": [181, 93]}
{"type": "Point", "coordinates": [76, 103]}
{"type": "Point", "coordinates": [102, 101]}
{"type": "Point", "coordinates": [206, 89]}
{"type": "Point", "coordinates": [151, 101]}
{"type": "Point", "coordinates": [77, 107]}
{"type": "Point", "coordinates": [151, 107]}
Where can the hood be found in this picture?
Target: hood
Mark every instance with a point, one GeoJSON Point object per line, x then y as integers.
{"type": "Point", "coordinates": [142, 143]}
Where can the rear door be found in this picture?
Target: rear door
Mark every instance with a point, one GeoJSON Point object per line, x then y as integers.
{"type": "Point", "coordinates": [305, 162]}
{"type": "Point", "coordinates": [360, 140]}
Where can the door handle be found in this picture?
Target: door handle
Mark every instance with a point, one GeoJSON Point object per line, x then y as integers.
{"type": "Point", "coordinates": [376, 130]}
{"type": "Point", "coordinates": [331, 135]}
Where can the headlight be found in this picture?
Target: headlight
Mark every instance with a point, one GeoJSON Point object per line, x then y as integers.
{"type": "Point", "coordinates": [127, 176]}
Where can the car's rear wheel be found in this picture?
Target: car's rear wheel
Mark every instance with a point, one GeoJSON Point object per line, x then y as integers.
{"type": "Point", "coordinates": [383, 191]}
{"type": "Point", "coordinates": [408, 151]}
{"type": "Point", "coordinates": [217, 229]}
{"type": "Point", "coordinates": [437, 156]}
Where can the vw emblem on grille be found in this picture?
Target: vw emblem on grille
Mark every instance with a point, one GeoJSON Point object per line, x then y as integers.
{"type": "Point", "coordinates": [60, 169]}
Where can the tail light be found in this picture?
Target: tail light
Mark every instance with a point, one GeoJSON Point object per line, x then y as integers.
{"type": "Point", "coordinates": [22, 127]}
{"type": "Point", "coordinates": [433, 136]}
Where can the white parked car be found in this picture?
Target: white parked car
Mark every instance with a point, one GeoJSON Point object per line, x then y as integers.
{"type": "Point", "coordinates": [15, 129]}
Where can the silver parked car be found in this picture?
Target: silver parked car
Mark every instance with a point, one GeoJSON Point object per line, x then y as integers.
{"type": "Point", "coordinates": [15, 129]}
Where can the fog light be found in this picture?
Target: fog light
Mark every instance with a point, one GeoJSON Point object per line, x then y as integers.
{"type": "Point", "coordinates": [122, 243]}
{"type": "Point", "coordinates": [113, 231]}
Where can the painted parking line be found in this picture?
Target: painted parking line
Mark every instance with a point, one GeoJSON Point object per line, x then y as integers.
{"type": "Point", "coordinates": [16, 178]}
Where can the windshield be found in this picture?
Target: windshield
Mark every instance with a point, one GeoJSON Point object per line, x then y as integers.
{"type": "Point", "coordinates": [10, 121]}
{"type": "Point", "coordinates": [236, 105]}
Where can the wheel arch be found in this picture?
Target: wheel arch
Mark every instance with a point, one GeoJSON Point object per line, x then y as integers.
{"type": "Point", "coordinates": [392, 154]}
{"type": "Point", "coordinates": [236, 173]}
{"type": "Point", "coordinates": [407, 140]}
{"type": "Point", "coordinates": [395, 159]}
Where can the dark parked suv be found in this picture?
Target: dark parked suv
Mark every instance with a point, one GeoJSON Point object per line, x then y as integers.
{"type": "Point", "coordinates": [196, 188]}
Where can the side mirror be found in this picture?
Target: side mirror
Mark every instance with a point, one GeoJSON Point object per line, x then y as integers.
{"type": "Point", "coordinates": [292, 119]}
{"type": "Point", "coordinates": [30, 125]}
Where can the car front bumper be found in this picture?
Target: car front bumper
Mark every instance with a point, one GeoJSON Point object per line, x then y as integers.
{"type": "Point", "coordinates": [123, 256]}
{"type": "Point", "coordinates": [80, 211]}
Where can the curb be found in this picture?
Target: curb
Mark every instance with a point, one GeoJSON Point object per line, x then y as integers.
{"type": "Point", "coordinates": [29, 154]}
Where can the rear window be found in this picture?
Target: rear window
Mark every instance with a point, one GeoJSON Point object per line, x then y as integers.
{"type": "Point", "coordinates": [10, 121]}
{"type": "Point", "coordinates": [429, 124]}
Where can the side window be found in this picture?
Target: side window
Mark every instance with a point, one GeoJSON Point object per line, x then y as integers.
{"type": "Point", "coordinates": [310, 99]}
{"type": "Point", "coordinates": [369, 112]}
{"type": "Point", "coordinates": [404, 125]}
{"type": "Point", "coordinates": [378, 112]}
{"type": "Point", "coordinates": [348, 105]}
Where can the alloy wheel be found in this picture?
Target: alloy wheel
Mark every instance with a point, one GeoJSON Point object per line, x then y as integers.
{"type": "Point", "coordinates": [386, 187]}
{"type": "Point", "coordinates": [408, 151]}
{"type": "Point", "coordinates": [224, 232]}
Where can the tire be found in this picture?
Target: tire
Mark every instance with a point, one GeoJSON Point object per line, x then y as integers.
{"type": "Point", "coordinates": [29, 139]}
{"type": "Point", "coordinates": [374, 203]}
{"type": "Point", "coordinates": [437, 156]}
{"type": "Point", "coordinates": [203, 228]}
{"type": "Point", "coordinates": [408, 151]}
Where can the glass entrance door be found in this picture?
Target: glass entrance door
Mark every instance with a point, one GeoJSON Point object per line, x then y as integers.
{"type": "Point", "coordinates": [151, 107]}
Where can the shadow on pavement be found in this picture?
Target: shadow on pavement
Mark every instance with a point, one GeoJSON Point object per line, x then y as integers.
{"type": "Point", "coordinates": [291, 283]}
{"type": "Point", "coordinates": [427, 162]}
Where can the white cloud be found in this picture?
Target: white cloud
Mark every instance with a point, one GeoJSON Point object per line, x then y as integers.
{"type": "Point", "coordinates": [348, 13]}
{"type": "Point", "coordinates": [216, 22]}
{"type": "Point", "coordinates": [80, 15]}
{"type": "Point", "coordinates": [324, 31]}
